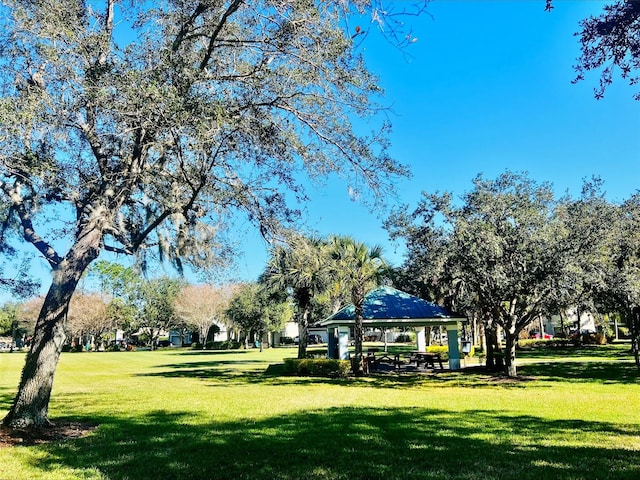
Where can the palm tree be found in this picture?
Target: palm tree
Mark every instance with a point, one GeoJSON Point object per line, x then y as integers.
{"type": "Point", "coordinates": [301, 266]}
{"type": "Point", "coordinates": [359, 268]}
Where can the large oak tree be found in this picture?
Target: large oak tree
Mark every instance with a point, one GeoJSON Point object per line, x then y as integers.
{"type": "Point", "coordinates": [138, 127]}
{"type": "Point", "coordinates": [505, 250]}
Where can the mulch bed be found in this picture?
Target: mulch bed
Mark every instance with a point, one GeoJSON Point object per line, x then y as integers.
{"type": "Point", "coordinates": [58, 431]}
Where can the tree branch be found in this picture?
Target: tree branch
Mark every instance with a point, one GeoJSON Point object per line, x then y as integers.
{"type": "Point", "coordinates": [231, 9]}
{"type": "Point", "coordinates": [110, 248]}
{"type": "Point", "coordinates": [108, 28]}
{"type": "Point", "coordinates": [200, 9]}
{"type": "Point", "coordinates": [28, 231]}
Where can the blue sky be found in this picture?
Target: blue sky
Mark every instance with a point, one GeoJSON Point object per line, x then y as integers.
{"type": "Point", "coordinates": [487, 87]}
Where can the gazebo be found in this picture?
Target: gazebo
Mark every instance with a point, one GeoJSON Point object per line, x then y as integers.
{"type": "Point", "coordinates": [387, 307]}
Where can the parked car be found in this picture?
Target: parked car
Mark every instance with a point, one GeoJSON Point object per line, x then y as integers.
{"type": "Point", "coordinates": [545, 336]}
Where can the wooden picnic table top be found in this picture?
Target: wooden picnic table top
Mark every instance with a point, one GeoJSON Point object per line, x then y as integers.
{"type": "Point", "coordinates": [425, 354]}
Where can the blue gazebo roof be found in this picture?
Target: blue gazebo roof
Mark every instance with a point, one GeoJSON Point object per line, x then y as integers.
{"type": "Point", "coordinates": [387, 306]}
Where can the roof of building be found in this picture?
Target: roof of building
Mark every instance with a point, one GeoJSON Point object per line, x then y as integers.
{"type": "Point", "coordinates": [387, 306]}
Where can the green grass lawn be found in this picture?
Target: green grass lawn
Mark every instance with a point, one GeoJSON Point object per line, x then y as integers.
{"type": "Point", "coordinates": [180, 414]}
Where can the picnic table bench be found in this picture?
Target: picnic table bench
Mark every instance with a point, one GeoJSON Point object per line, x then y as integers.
{"type": "Point", "coordinates": [374, 358]}
{"type": "Point", "coordinates": [428, 358]}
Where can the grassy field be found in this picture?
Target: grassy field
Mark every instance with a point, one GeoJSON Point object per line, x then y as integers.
{"type": "Point", "coordinates": [180, 414]}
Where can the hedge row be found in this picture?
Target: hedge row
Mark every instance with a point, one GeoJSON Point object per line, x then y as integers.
{"type": "Point", "coordinates": [226, 345]}
{"type": "Point", "coordinates": [317, 367]}
{"type": "Point", "coordinates": [443, 350]}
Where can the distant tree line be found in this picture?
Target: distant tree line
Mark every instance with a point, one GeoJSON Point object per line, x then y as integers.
{"type": "Point", "coordinates": [145, 309]}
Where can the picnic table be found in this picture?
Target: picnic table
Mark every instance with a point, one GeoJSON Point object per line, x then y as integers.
{"type": "Point", "coordinates": [428, 358]}
{"type": "Point", "coordinates": [374, 358]}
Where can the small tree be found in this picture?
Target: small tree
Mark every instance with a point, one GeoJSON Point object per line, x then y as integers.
{"type": "Point", "coordinates": [256, 312]}
{"type": "Point", "coordinates": [359, 269]}
{"type": "Point", "coordinates": [10, 321]}
{"type": "Point", "coordinates": [157, 312]}
{"type": "Point", "coordinates": [302, 267]}
{"type": "Point", "coordinates": [88, 316]}
{"type": "Point", "coordinates": [9, 318]}
{"type": "Point", "coordinates": [121, 287]}
{"type": "Point", "coordinates": [203, 306]}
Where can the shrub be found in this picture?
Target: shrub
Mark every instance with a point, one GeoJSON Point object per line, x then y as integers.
{"type": "Point", "coordinates": [317, 367]}
{"type": "Point", "coordinates": [226, 345]}
{"type": "Point", "coordinates": [196, 346]}
{"type": "Point", "coordinates": [442, 350]}
{"type": "Point", "coordinates": [600, 338]}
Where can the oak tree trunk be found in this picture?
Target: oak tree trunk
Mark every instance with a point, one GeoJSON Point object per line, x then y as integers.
{"type": "Point", "coordinates": [31, 405]}
{"type": "Point", "coordinates": [633, 321]}
{"type": "Point", "coordinates": [510, 354]}
{"type": "Point", "coordinates": [491, 342]}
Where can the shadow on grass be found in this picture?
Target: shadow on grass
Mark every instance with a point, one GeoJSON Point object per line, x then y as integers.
{"type": "Point", "coordinates": [225, 371]}
{"type": "Point", "coordinates": [352, 443]}
{"type": "Point", "coordinates": [590, 371]}
{"type": "Point", "coordinates": [614, 351]}
{"type": "Point", "coordinates": [211, 353]}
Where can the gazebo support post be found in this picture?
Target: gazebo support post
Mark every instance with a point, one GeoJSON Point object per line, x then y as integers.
{"type": "Point", "coordinates": [332, 343]}
{"type": "Point", "coordinates": [454, 349]}
{"type": "Point", "coordinates": [421, 339]}
{"type": "Point", "coordinates": [343, 342]}
{"type": "Point", "coordinates": [384, 336]}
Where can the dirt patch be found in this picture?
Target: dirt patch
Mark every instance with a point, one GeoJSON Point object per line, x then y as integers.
{"type": "Point", "coordinates": [59, 431]}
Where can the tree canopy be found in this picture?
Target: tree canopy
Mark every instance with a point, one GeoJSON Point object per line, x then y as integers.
{"type": "Point", "coordinates": [509, 251]}
{"type": "Point", "coordinates": [610, 43]}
